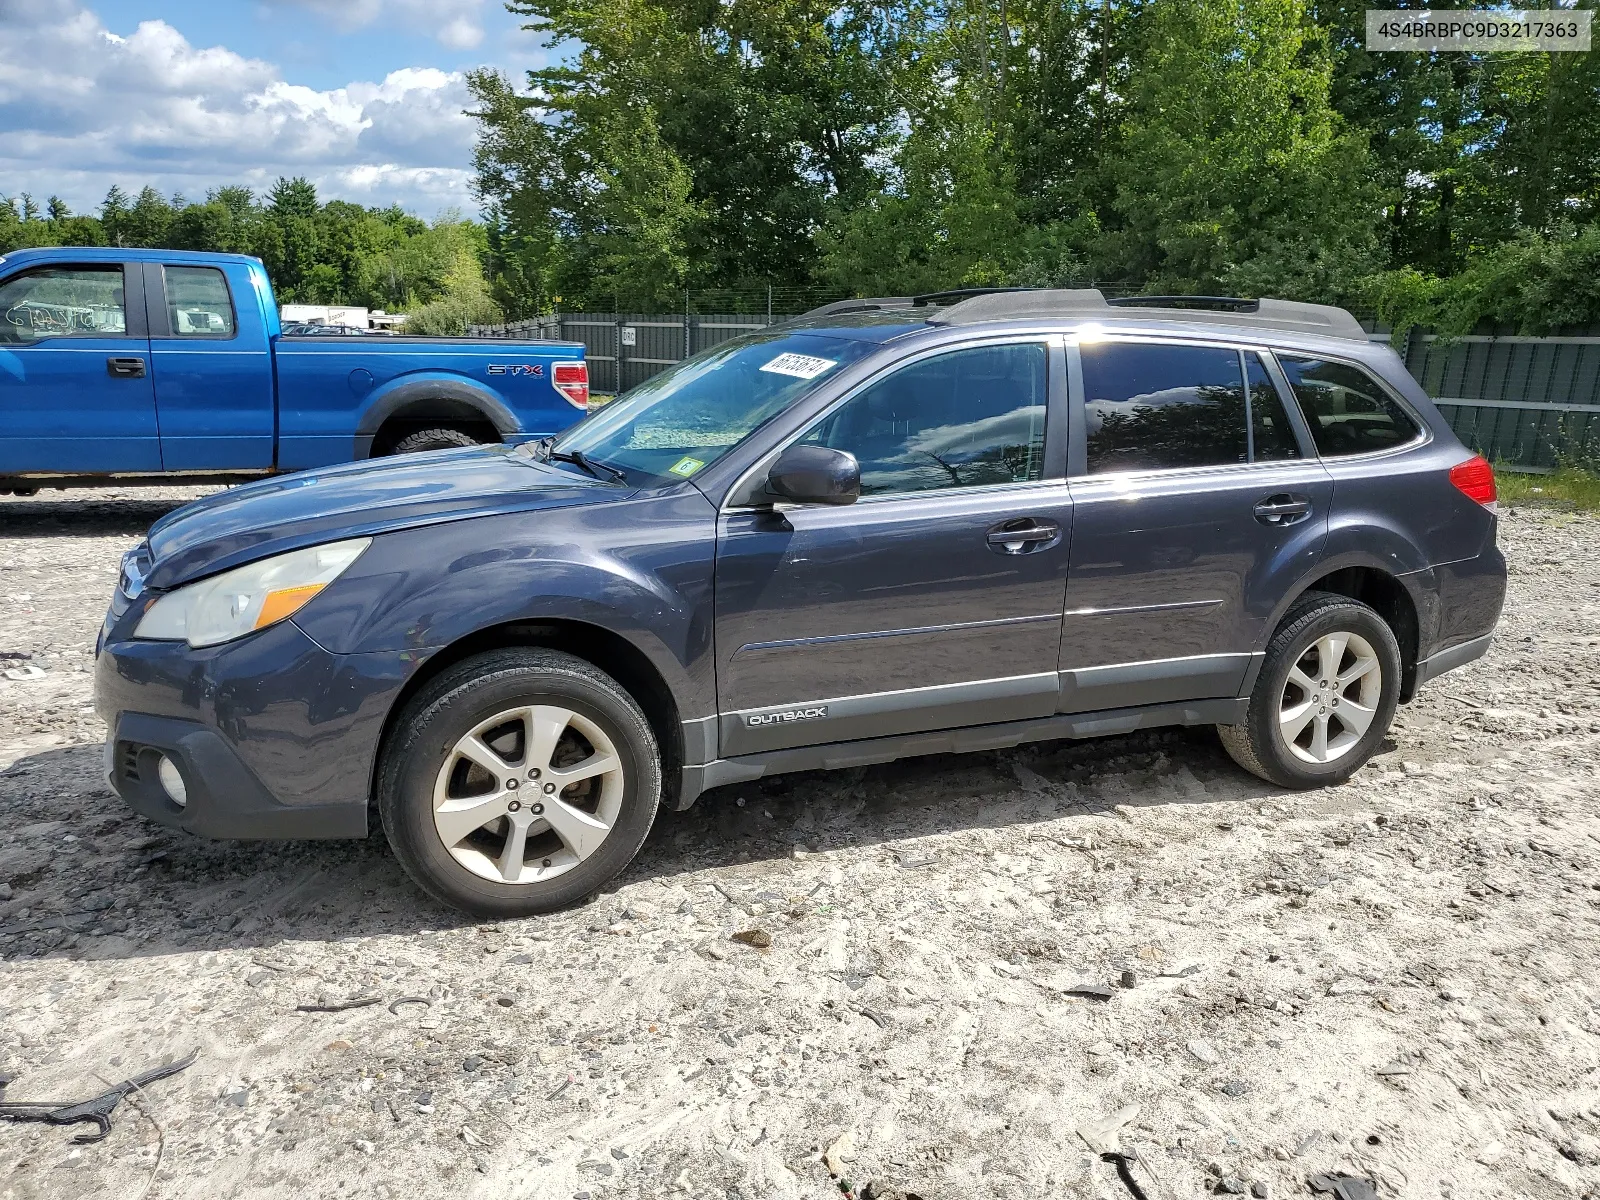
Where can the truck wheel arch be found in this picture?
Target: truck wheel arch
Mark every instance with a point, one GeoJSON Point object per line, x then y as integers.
{"type": "Point", "coordinates": [417, 403]}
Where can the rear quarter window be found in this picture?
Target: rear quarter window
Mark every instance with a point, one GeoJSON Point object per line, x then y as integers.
{"type": "Point", "coordinates": [1348, 411]}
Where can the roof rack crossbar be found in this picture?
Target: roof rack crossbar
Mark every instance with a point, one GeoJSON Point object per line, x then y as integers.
{"type": "Point", "coordinates": [862, 304]}
{"type": "Point", "coordinates": [1227, 303]}
{"type": "Point", "coordinates": [953, 294]}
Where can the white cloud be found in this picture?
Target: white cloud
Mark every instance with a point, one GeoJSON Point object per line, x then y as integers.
{"type": "Point", "coordinates": [457, 24]}
{"type": "Point", "coordinates": [82, 107]}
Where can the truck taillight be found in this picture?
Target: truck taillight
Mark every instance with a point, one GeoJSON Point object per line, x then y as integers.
{"type": "Point", "coordinates": [1475, 480]}
{"type": "Point", "coordinates": [572, 381]}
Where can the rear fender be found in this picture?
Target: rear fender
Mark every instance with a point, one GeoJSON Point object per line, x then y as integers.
{"type": "Point", "coordinates": [454, 392]}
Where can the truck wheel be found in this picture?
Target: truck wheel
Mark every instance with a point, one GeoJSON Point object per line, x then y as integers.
{"type": "Point", "coordinates": [1325, 696]}
{"type": "Point", "coordinates": [433, 439]}
{"type": "Point", "coordinates": [519, 781]}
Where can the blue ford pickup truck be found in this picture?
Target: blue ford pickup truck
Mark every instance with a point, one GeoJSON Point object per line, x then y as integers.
{"type": "Point", "coordinates": [142, 366]}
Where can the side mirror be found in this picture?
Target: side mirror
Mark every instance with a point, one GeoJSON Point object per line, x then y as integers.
{"type": "Point", "coordinates": [815, 475]}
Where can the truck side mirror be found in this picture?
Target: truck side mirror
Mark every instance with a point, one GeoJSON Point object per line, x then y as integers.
{"type": "Point", "coordinates": [815, 475]}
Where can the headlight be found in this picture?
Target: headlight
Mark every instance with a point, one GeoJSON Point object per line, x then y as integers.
{"type": "Point", "coordinates": [247, 598]}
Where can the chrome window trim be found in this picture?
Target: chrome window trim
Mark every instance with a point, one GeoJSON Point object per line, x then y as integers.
{"type": "Point", "coordinates": [1048, 340]}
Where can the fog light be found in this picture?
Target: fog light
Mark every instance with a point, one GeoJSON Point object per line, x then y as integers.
{"type": "Point", "coordinates": [172, 780]}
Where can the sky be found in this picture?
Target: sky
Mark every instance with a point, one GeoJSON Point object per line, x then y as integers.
{"type": "Point", "coordinates": [363, 97]}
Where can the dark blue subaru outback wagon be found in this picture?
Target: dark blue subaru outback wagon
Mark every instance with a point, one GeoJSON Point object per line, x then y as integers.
{"type": "Point", "coordinates": [891, 527]}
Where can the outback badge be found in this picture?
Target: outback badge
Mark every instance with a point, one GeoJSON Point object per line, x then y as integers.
{"type": "Point", "coordinates": [810, 712]}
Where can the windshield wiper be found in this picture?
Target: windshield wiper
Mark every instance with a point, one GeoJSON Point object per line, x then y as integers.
{"type": "Point", "coordinates": [578, 459]}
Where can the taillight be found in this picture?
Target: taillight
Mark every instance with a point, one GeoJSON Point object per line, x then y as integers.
{"type": "Point", "coordinates": [572, 381]}
{"type": "Point", "coordinates": [1475, 480]}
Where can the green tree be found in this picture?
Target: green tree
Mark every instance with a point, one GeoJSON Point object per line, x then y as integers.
{"type": "Point", "coordinates": [1236, 174]}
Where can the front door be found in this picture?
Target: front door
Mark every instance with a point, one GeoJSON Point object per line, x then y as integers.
{"type": "Point", "coordinates": [935, 600]}
{"type": "Point", "coordinates": [75, 380]}
{"type": "Point", "coordinates": [1200, 499]}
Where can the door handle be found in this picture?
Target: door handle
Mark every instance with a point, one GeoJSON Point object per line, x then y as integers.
{"type": "Point", "coordinates": [1024, 535]}
{"type": "Point", "coordinates": [125, 368]}
{"type": "Point", "coordinates": [1284, 508]}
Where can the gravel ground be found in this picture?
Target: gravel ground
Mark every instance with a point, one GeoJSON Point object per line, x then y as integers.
{"type": "Point", "coordinates": [1394, 978]}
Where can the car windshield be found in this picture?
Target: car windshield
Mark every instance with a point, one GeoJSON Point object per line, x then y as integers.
{"type": "Point", "coordinates": [677, 423]}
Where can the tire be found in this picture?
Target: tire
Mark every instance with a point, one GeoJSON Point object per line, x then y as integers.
{"type": "Point", "coordinates": [429, 791]}
{"type": "Point", "coordinates": [433, 439]}
{"type": "Point", "coordinates": [1281, 706]}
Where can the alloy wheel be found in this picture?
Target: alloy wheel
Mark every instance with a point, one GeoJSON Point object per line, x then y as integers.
{"type": "Point", "coordinates": [1330, 697]}
{"type": "Point", "coordinates": [528, 794]}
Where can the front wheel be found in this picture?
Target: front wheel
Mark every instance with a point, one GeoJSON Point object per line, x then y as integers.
{"type": "Point", "coordinates": [1324, 698]}
{"type": "Point", "coordinates": [519, 782]}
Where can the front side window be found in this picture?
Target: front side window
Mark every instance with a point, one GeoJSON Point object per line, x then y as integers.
{"type": "Point", "coordinates": [1153, 407]}
{"type": "Point", "coordinates": [675, 424]}
{"type": "Point", "coordinates": [59, 302]}
{"type": "Point", "coordinates": [198, 304]}
{"type": "Point", "coordinates": [1349, 413]}
{"type": "Point", "coordinates": [964, 419]}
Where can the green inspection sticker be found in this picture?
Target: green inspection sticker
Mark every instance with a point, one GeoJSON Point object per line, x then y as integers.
{"type": "Point", "coordinates": [686, 466]}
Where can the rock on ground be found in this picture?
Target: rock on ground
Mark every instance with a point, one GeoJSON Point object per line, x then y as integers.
{"type": "Point", "coordinates": [1394, 978]}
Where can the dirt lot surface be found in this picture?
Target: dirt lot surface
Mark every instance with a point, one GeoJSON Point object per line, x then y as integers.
{"type": "Point", "coordinates": [1396, 978]}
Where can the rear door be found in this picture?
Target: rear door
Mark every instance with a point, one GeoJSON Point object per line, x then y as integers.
{"type": "Point", "coordinates": [1198, 499]}
{"type": "Point", "coordinates": [213, 367]}
{"type": "Point", "coordinates": [75, 387]}
{"type": "Point", "coordinates": [935, 600]}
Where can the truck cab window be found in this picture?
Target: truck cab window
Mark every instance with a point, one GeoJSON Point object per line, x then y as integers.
{"type": "Point", "coordinates": [198, 303]}
{"type": "Point", "coordinates": [58, 302]}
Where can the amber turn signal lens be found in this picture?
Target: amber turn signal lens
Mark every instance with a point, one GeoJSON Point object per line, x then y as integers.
{"type": "Point", "coordinates": [285, 603]}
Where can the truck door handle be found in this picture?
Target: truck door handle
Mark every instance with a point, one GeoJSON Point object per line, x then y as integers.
{"type": "Point", "coordinates": [1024, 535]}
{"type": "Point", "coordinates": [1285, 508]}
{"type": "Point", "coordinates": [125, 368]}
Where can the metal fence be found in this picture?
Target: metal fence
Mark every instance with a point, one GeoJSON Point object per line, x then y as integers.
{"type": "Point", "coordinates": [624, 349]}
{"type": "Point", "coordinates": [1526, 402]}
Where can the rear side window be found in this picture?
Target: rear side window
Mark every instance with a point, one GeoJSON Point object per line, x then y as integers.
{"type": "Point", "coordinates": [198, 303]}
{"type": "Point", "coordinates": [1153, 406]}
{"type": "Point", "coordinates": [1271, 438]}
{"type": "Point", "coordinates": [1349, 413]}
{"type": "Point", "coordinates": [963, 419]}
{"type": "Point", "coordinates": [61, 302]}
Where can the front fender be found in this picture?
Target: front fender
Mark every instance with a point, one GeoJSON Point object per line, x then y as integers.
{"type": "Point", "coordinates": [639, 569]}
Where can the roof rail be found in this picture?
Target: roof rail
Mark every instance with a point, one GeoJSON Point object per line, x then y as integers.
{"type": "Point", "coordinates": [865, 304]}
{"type": "Point", "coordinates": [1089, 304]}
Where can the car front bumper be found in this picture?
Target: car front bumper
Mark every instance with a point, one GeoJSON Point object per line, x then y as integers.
{"type": "Point", "coordinates": [273, 736]}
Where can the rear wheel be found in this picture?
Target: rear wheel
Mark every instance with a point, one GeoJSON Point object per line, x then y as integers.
{"type": "Point", "coordinates": [433, 439]}
{"type": "Point", "coordinates": [1324, 698]}
{"type": "Point", "coordinates": [518, 782]}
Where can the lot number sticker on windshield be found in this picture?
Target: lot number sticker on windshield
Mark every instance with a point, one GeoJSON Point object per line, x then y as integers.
{"type": "Point", "coordinates": [801, 366]}
{"type": "Point", "coordinates": [686, 466]}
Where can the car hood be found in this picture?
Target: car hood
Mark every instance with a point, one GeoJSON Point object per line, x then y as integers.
{"type": "Point", "coordinates": [255, 520]}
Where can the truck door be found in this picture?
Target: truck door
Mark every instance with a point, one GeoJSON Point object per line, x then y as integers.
{"type": "Point", "coordinates": [75, 386]}
{"type": "Point", "coordinates": [213, 367]}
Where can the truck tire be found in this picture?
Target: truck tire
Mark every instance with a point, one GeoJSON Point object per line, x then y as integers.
{"type": "Point", "coordinates": [519, 781]}
{"type": "Point", "coordinates": [433, 439]}
{"type": "Point", "coordinates": [1324, 698]}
